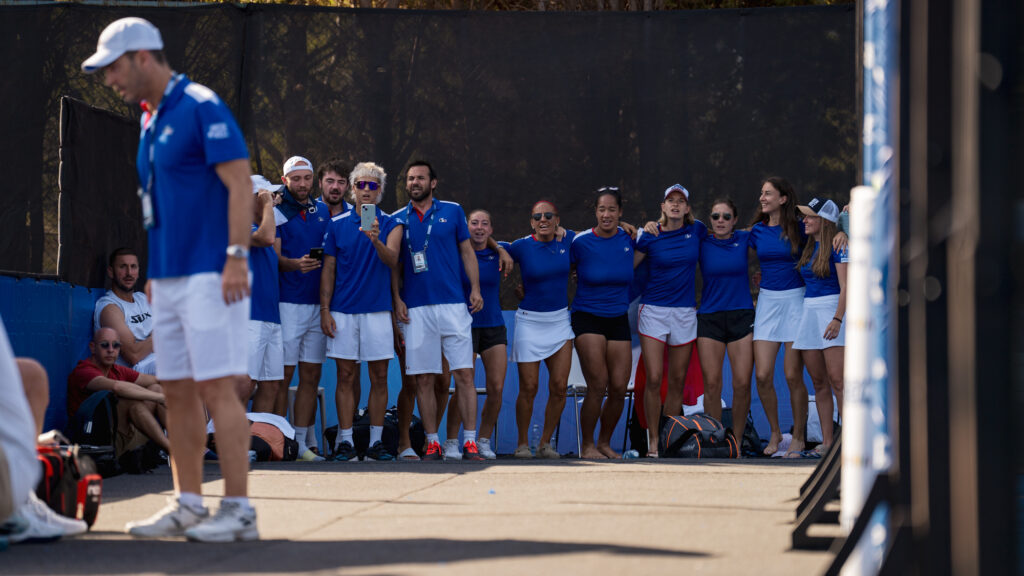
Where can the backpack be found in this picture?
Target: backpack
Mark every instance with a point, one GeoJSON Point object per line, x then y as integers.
{"type": "Point", "coordinates": [696, 436]}
{"type": "Point", "coordinates": [95, 421]}
{"type": "Point", "coordinates": [70, 484]}
{"type": "Point", "coordinates": [750, 444]}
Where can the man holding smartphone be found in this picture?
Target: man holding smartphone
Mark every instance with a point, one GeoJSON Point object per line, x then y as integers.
{"type": "Point", "coordinates": [301, 224]}
{"type": "Point", "coordinates": [361, 248]}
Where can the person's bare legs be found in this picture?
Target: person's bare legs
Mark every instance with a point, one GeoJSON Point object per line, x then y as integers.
{"type": "Point", "coordinates": [406, 404]}
{"type": "Point", "coordinates": [654, 365]}
{"type": "Point", "coordinates": [712, 356]}
{"type": "Point", "coordinates": [465, 389]}
{"type": "Point", "coordinates": [741, 359]}
{"type": "Point", "coordinates": [592, 351]}
{"type": "Point", "coordinates": [620, 360]}
{"type": "Point", "coordinates": [142, 414]}
{"type": "Point", "coordinates": [834, 358]}
{"type": "Point", "coordinates": [442, 395]}
{"type": "Point", "coordinates": [678, 364]}
{"type": "Point", "coordinates": [231, 434]}
{"type": "Point", "coordinates": [377, 403]}
{"type": "Point", "coordinates": [344, 404]}
{"type": "Point", "coordinates": [558, 365]}
{"type": "Point", "coordinates": [304, 411]}
{"type": "Point", "coordinates": [815, 362]}
{"type": "Point", "coordinates": [765, 353]}
{"type": "Point", "coordinates": [37, 389]}
{"type": "Point", "coordinates": [529, 378]}
{"type": "Point", "coordinates": [798, 399]}
{"type": "Point", "coordinates": [186, 433]}
{"type": "Point", "coordinates": [425, 395]}
{"type": "Point", "coordinates": [495, 361]}
{"type": "Point", "coordinates": [281, 400]}
{"type": "Point", "coordinates": [266, 395]}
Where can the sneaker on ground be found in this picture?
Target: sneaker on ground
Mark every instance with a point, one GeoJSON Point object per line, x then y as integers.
{"type": "Point", "coordinates": [378, 453]}
{"type": "Point", "coordinates": [523, 452]}
{"type": "Point", "coordinates": [546, 451]}
{"type": "Point", "coordinates": [451, 450]}
{"type": "Point", "coordinates": [345, 452]}
{"type": "Point", "coordinates": [231, 523]}
{"type": "Point", "coordinates": [310, 456]}
{"type": "Point", "coordinates": [44, 525]}
{"type": "Point", "coordinates": [484, 446]}
{"type": "Point", "coordinates": [171, 521]}
{"type": "Point", "coordinates": [433, 452]}
{"type": "Point", "coordinates": [470, 452]}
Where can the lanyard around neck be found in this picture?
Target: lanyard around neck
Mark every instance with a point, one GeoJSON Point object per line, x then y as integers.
{"type": "Point", "coordinates": [430, 226]}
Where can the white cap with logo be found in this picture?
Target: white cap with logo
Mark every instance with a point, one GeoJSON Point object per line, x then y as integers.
{"type": "Point", "coordinates": [826, 209]}
{"type": "Point", "coordinates": [124, 35]}
{"type": "Point", "coordinates": [296, 163]}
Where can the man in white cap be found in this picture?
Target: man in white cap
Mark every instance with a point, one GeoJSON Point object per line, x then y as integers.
{"type": "Point", "coordinates": [302, 223]}
{"type": "Point", "coordinates": [193, 170]}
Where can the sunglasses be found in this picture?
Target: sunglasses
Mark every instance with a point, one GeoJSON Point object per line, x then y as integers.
{"type": "Point", "coordinates": [544, 215]}
{"type": "Point", "coordinates": [608, 189]}
{"type": "Point", "coordinates": [724, 216]}
{"type": "Point", "coordinates": [106, 345]}
{"type": "Point", "coordinates": [367, 185]}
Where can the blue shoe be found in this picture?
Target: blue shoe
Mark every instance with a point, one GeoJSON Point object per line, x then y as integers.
{"type": "Point", "coordinates": [345, 452]}
{"type": "Point", "coordinates": [378, 453]}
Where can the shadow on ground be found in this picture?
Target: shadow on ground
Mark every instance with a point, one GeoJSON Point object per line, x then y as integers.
{"type": "Point", "coordinates": [109, 553]}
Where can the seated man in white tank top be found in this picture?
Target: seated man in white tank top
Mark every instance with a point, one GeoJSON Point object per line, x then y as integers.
{"type": "Point", "coordinates": [127, 312]}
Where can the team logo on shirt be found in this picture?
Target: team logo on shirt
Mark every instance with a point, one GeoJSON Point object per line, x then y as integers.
{"type": "Point", "coordinates": [625, 249]}
{"type": "Point", "coordinates": [686, 235]}
{"type": "Point", "coordinates": [562, 251]}
{"type": "Point", "coordinates": [218, 131]}
{"type": "Point", "coordinates": [165, 134]}
{"type": "Point", "coordinates": [442, 219]}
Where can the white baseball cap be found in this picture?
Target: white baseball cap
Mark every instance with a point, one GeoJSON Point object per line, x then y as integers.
{"type": "Point", "coordinates": [677, 188]}
{"type": "Point", "coordinates": [826, 209]}
{"type": "Point", "coordinates": [124, 35]}
{"type": "Point", "coordinates": [296, 163]}
{"type": "Point", "coordinates": [261, 183]}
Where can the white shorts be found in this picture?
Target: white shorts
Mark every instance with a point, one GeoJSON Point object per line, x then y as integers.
{"type": "Point", "coordinates": [818, 312]}
{"type": "Point", "coordinates": [147, 365]}
{"type": "Point", "coordinates": [363, 337]}
{"type": "Point", "coordinates": [436, 328]}
{"type": "Point", "coordinates": [266, 351]}
{"type": "Point", "coordinates": [301, 334]}
{"type": "Point", "coordinates": [539, 335]}
{"type": "Point", "coordinates": [196, 335]}
{"type": "Point", "coordinates": [19, 469]}
{"type": "Point", "coordinates": [672, 325]}
{"type": "Point", "coordinates": [778, 314]}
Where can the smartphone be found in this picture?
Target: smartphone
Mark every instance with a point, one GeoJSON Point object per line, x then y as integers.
{"type": "Point", "coordinates": [368, 213]}
{"type": "Point", "coordinates": [317, 253]}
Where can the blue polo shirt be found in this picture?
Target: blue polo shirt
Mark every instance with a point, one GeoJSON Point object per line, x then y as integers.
{"type": "Point", "coordinates": [298, 234]}
{"type": "Point", "coordinates": [441, 282]}
{"type": "Point", "coordinates": [724, 269]}
{"type": "Point", "coordinates": [362, 282]}
{"type": "Point", "coordinates": [193, 132]}
{"type": "Point", "coordinates": [778, 261]}
{"type": "Point", "coordinates": [265, 290]}
{"type": "Point", "coordinates": [604, 273]}
{"type": "Point", "coordinates": [828, 285]}
{"type": "Point", "coordinates": [672, 265]}
{"type": "Point", "coordinates": [544, 267]}
{"type": "Point", "coordinates": [487, 263]}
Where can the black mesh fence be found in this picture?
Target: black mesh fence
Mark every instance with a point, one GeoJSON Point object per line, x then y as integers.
{"type": "Point", "coordinates": [509, 107]}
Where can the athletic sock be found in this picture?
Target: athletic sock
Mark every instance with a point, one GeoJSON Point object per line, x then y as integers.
{"type": "Point", "coordinates": [311, 436]}
{"type": "Point", "coordinates": [468, 436]}
{"type": "Point", "coordinates": [300, 437]}
{"type": "Point", "coordinates": [376, 432]}
{"type": "Point", "coordinates": [242, 501]}
{"type": "Point", "coordinates": [431, 438]}
{"type": "Point", "coordinates": [344, 436]}
{"type": "Point", "coordinates": [191, 500]}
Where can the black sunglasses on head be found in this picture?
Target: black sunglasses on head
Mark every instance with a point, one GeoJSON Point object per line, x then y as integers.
{"type": "Point", "coordinates": [544, 215]}
{"type": "Point", "coordinates": [724, 216]}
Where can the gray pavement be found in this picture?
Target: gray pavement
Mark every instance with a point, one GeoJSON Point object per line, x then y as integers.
{"type": "Point", "coordinates": [500, 517]}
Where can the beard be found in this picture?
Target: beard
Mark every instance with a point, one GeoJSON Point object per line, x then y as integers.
{"type": "Point", "coordinates": [417, 195]}
{"type": "Point", "coordinates": [123, 288]}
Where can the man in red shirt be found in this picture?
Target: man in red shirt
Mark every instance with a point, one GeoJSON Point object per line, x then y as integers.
{"type": "Point", "coordinates": [140, 400]}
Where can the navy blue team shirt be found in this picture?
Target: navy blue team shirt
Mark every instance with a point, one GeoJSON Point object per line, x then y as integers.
{"type": "Point", "coordinates": [544, 267]}
{"type": "Point", "coordinates": [724, 268]}
{"type": "Point", "coordinates": [604, 273]}
{"type": "Point", "coordinates": [302, 232]}
{"type": "Point", "coordinates": [441, 283]}
{"type": "Point", "coordinates": [672, 272]}
{"type": "Point", "coordinates": [362, 281]}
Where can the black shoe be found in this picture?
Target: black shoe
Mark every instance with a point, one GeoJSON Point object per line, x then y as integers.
{"type": "Point", "coordinates": [346, 452]}
{"type": "Point", "coordinates": [378, 452]}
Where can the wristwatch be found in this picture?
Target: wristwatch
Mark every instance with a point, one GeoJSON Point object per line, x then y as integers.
{"type": "Point", "coordinates": [237, 251]}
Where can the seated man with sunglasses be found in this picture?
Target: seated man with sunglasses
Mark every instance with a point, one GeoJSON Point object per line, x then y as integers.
{"type": "Point", "coordinates": [140, 400]}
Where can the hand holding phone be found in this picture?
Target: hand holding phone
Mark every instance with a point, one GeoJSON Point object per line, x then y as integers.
{"type": "Point", "coordinates": [367, 214]}
{"type": "Point", "coordinates": [317, 253]}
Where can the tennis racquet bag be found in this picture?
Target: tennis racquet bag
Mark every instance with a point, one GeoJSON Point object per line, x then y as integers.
{"type": "Point", "coordinates": [70, 484]}
{"type": "Point", "coordinates": [696, 436]}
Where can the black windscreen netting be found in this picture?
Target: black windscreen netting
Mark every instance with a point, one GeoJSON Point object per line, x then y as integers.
{"type": "Point", "coordinates": [509, 107]}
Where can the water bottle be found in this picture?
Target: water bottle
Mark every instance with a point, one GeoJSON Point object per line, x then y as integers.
{"type": "Point", "coordinates": [534, 438]}
{"type": "Point", "coordinates": [630, 455]}
{"type": "Point", "coordinates": [252, 455]}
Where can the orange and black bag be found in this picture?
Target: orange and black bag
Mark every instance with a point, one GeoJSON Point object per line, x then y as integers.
{"type": "Point", "coordinates": [696, 436]}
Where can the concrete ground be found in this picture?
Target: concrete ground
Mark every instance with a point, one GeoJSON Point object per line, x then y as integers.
{"type": "Point", "coordinates": [500, 517]}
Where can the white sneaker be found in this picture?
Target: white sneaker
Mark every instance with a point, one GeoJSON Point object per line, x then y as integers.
{"type": "Point", "coordinates": [451, 449]}
{"type": "Point", "coordinates": [44, 524]}
{"type": "Point", "coordinates": [484, 446]}
{"type": "Point", "coordinates": [232, 523]}
{"type": "Point", "coordinates": [171, 521]}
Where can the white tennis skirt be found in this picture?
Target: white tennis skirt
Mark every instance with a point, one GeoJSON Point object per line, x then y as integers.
{"type": "Point", "coordinates": [538, 335]}
{"type": "Point", "coordinates": [778, 314]}
{"type": "Point", "coordinates": [818, 312]}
